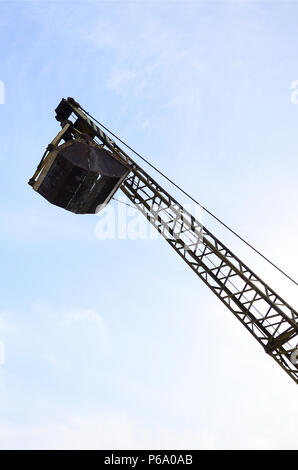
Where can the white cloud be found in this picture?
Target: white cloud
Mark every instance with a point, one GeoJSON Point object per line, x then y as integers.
{"type": "Point", "coordinates": [119, 430]}
{"type": "Point", "coordinates": [99, 431]}
{"type": "Point", "coordinates": [206, 396]}
{"type": "Point", "coordinates": [58, 340]}
{"type": "Point", "coordinates": [89, 316]}
{"type": "Point", "coordinates": [42, 223]}
{"type": "Point", "coordinates": [120, 78]}
{"type": "Point", "coordinates": [153, 61]}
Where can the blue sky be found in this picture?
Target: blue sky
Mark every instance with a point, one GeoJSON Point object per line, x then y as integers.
{"type": "Point", "coordinates": [115, 343]}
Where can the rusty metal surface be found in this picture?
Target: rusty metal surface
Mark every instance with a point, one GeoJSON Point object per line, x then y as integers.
{"type": "Point", "coordinates": [81, 176]}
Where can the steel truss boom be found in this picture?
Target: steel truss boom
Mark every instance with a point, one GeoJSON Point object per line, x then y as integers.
{"type": "Point", "coordinates": [271, 320]}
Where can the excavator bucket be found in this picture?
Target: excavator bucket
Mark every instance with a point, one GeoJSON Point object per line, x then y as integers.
{"type": "Point", "coordinates": [79, 176]}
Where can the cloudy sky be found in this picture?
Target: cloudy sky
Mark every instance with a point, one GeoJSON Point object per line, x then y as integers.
{"type": "Point", "coordinates": [116, 343]}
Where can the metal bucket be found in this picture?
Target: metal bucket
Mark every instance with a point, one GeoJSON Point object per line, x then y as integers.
{"type": "Point", "coordinates": [79, 176]}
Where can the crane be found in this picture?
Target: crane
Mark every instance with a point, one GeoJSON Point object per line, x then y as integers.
{"type": "Point", "coordinates": [83, 174]}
